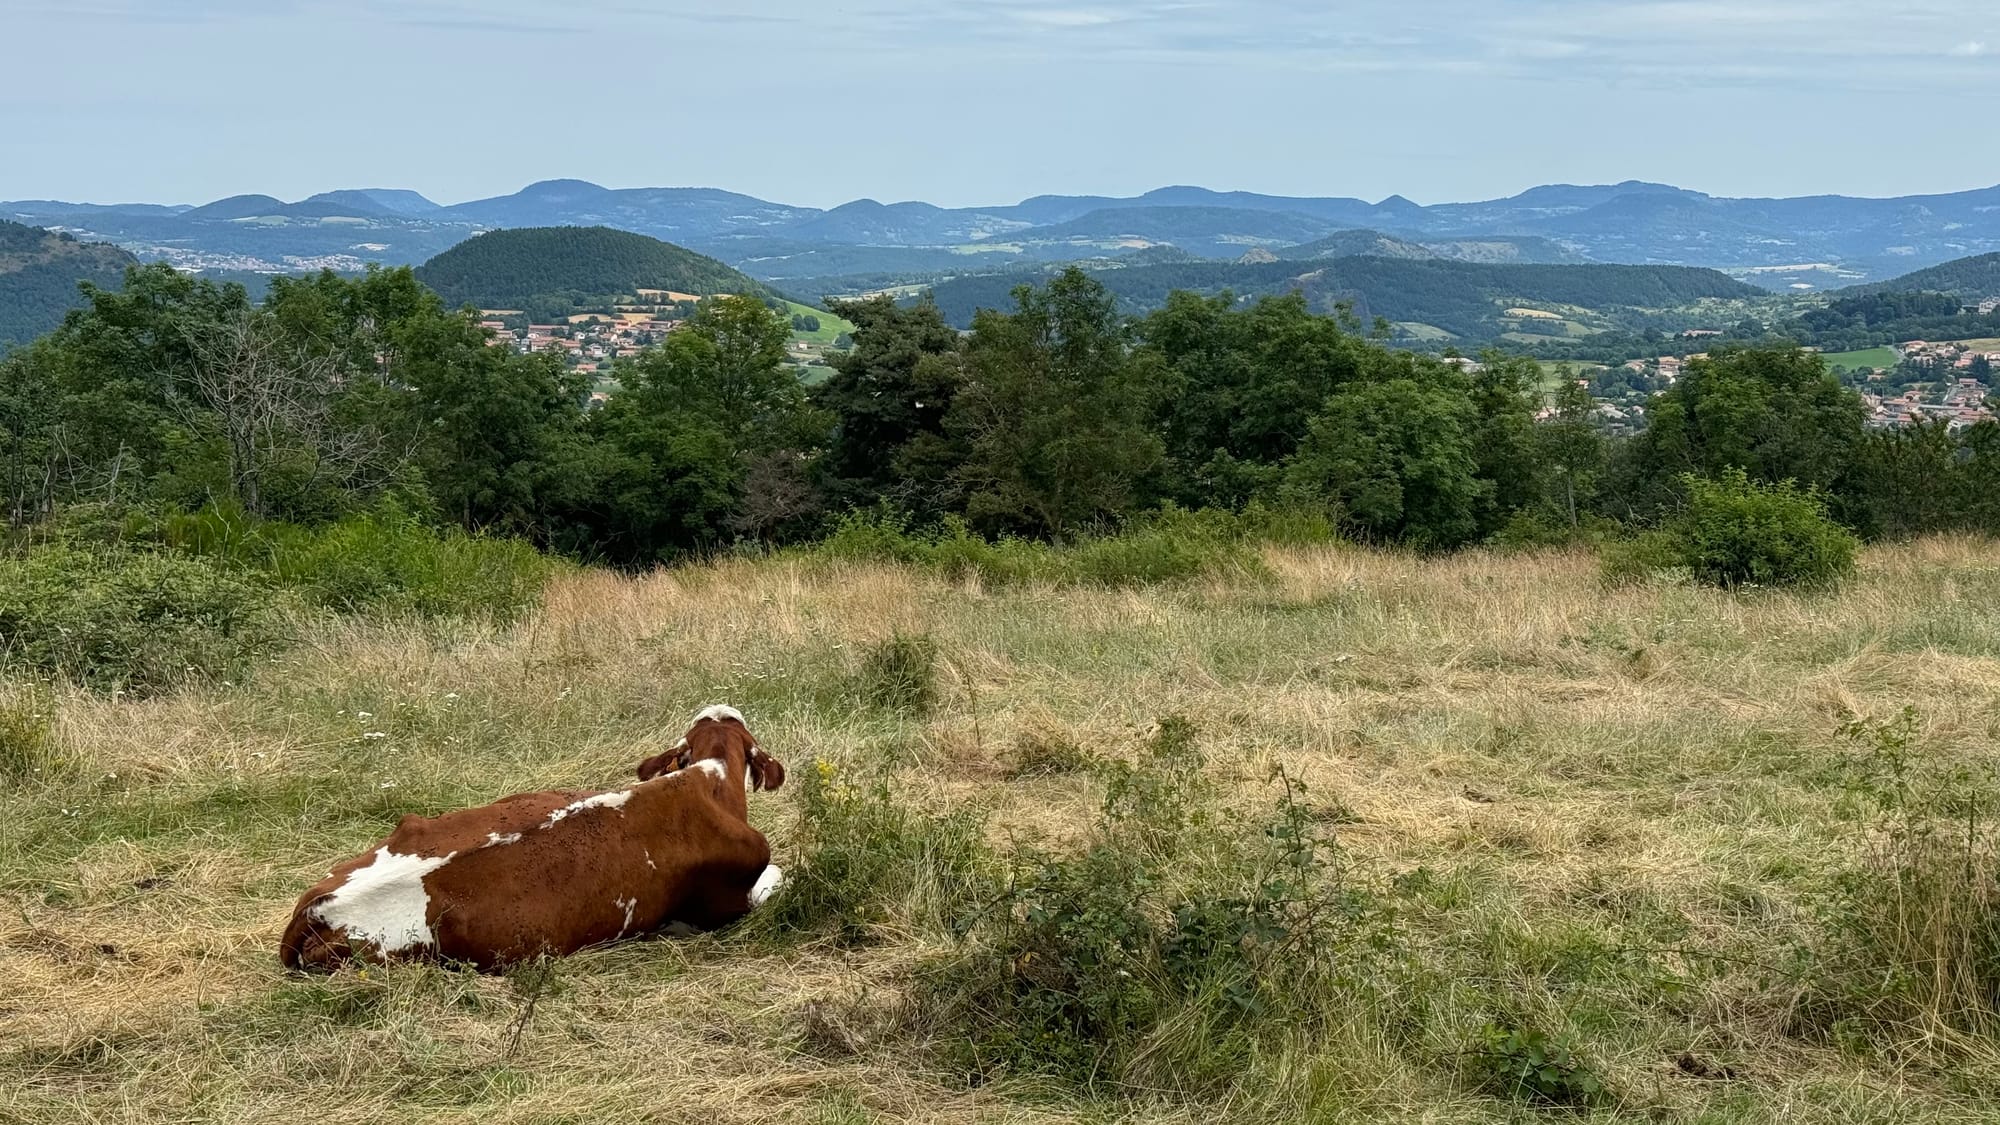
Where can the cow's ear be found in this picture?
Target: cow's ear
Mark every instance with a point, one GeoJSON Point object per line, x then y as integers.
{"type": "Point", "coordinates": [766, 772]}
{"type": "Point", "coordinates": [675, 758]}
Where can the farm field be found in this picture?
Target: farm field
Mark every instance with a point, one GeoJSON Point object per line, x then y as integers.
{"type": "Point", "coordinates": [1869, 357]}
{"type": "Point", "coordinates": [1611, 819]}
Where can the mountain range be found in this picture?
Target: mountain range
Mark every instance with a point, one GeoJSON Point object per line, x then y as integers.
{"type": "Point", "coordinates": [1784, 244]}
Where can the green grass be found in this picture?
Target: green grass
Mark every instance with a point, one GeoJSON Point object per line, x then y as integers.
{"type": "Point", "coordinates": [831, 327]}
{"type": "Point", "coordinates": [1625, 836]}
{"type": "Point", "coordinates": [1866, 358]}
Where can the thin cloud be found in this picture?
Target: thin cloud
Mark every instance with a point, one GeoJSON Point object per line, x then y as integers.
{"type": "Point", "coordinates": [1969, 50]}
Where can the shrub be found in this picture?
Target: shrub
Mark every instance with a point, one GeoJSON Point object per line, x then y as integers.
{"type": "Point", "coordinates": [900, 674]}
{"type": "Point", "coordinates": [132, 620]}
{"type": "Point", "coordinates": [1165, 953]}
{"type": "Point", "coordinates": [863, 862]}
{"type": "Point", "coordinates": [1531, 1067]}
{"type": "Point", "coordinates": [1910, 926]}
{"type": "Point", "coordinates": [379, 560]}
{"type": "Point", "coordinates": [1736, 531]}
{"type": "Point", "coordinates": [1167, 546]}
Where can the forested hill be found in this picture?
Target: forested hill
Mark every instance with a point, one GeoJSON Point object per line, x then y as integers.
{"type": "Point", "coordinates": [39, 272]}
{"type": "Point", "coordinates": [1462, 298]}
{"type": "Point", "coordinates": [1966, 277]}
{"type": "Point", "coordinates": [516, 268]}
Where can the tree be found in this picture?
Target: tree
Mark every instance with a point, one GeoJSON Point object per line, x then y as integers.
{"type": "Point", "coordinates": [1394, 461]}
{"type": "Point", "coordinates": [271, 402]}
{"type": "Point", "coordinates": [1052, 412]}
{"type": "Point", "coordinates": [1235, 386]}
{"type": "Point", "coordinates": [887, 401]}
{"type": "Point", "coordinates": [1570, 450]}
{"type": "Point", "coordinates": [1772, 411]}
{"type": "Point", "coordinates": [696, 421]}
{"type": "Point", "coordinates": [1909, 481]}
{"type": "Point", "coordinates": [1504, 392]}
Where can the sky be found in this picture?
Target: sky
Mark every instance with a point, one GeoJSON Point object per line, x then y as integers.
{"type": "Point", "coordinates": [967, 102]}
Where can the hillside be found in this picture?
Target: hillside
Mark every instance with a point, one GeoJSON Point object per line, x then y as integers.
{"type": "Point", "coordinates": [1619, 818]}
{"type": "Point", "coordinates": [516, 268]}
{"type": "Point", "coordinates": [1977, 276]}
{"type": "Point", "coordinates": [1782, 244]}
{"type": "Point", "coordinates": [1466, 299]}
{"type": "Point", "coordinates": [39, 272]}
{"type": "Point", "coordinates": [1212, 230]}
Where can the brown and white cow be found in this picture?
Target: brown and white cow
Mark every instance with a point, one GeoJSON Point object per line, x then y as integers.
{"type": "Point", "coordinates": [555, 872]}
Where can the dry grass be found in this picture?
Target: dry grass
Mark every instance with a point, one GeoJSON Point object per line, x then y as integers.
{"type": "Point", "coordinates": [1641, 766]}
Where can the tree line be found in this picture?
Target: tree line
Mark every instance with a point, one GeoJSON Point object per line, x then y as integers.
{"type": "Point", "coordinates": [1054, 418]}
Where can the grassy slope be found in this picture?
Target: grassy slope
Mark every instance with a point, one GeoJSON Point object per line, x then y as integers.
{"type": "Point", "coordinates": [1868, 357]}
{"type": "Point", "coordinates": [831, 327]}
{"type": "Point", "coordinates": [1646, 766]}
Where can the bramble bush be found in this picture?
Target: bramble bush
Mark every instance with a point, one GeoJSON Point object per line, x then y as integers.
{"type": "Point", "coordinates": [1165, 953]}
{"type": "Point", "coordinates": [136, 621]}
{"type": "Point", "coordinates": [864, 863]}
{"type": "Point", "coordinates": [380, 560]}
{"type": "Point", "coordinates": [1166, 546]}
{"type": "Point", "coordinates": [1738, 532]}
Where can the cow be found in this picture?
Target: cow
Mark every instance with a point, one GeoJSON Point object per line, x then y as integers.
{"type": "Point", "coordinates": [555, 872]}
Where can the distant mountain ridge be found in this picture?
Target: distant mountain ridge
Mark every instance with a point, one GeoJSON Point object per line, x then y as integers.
{"type": "Point", "coordinates": [1826, 238]}
{"type": "Point", "coordinates": [1476, 302]}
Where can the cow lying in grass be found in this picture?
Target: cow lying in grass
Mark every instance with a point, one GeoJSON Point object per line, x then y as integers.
{"type": "Point", "coordinates": [555, 872]}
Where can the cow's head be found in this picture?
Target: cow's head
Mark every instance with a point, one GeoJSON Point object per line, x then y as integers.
{"type": "Point", "coordinates": [718, 734]}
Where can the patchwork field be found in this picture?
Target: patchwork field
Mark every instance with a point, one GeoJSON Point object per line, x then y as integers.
{"type": "Point", "coordinates": [1869, 357]}
{"type": "Point", "coordinates": [1614, 823]}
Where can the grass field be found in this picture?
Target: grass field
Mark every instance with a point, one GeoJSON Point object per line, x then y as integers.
{"type": "Point", "coordinates": [1870, 357]}
{"type": "Point", "coordinates": [831, 327]}
{"type": "Point", "coordinates": [1612, 815]}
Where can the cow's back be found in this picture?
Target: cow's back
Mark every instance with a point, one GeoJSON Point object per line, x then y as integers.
{"type": "Point", "coordinates": [549, 872]}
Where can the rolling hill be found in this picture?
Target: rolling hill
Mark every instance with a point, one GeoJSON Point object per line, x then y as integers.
{"type": "Point", "coordinates": [39, 272]}
{"type": "Point", "coordinates": [1977, 276]}
{"type": "Point", "coordinates": [1469, 300]}
{"type": "Point", "coordinates": [516, 268]}
{"type": "Point", "coordinates": [1812, 242]}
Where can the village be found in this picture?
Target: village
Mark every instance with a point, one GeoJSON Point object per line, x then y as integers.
{"type": "Point", "coordinates": [593, 342]}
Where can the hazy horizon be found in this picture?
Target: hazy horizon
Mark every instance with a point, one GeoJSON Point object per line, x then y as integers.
{"type": "Point", "coordinates": [187, 101]}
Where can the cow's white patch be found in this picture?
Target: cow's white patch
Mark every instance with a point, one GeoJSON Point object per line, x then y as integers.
{"type": "Point", "coordinates": [495, 839]}
{"type": "Point", "coordinates": [385, 903]}
{"type": "Point", "coordinates": [711, 766]}
{"type": "Point", "coordinates": [628, 905]}
{"type": "Point", "coordinates": [649, 860]}
{"type": "Point", "coordinates": [767, 884]}
{"type": "Point", "coordinates": [719, 711]}
{"type": "Point", "coordinates": [601, 801]}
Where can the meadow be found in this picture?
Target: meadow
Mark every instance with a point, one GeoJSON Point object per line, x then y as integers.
{"type": "Point", "coordinates": [1646, 852]}
{"type": "Point", "coordinates": [1866, 358]}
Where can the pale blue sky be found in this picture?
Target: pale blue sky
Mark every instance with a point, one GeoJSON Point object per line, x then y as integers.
{"type": "Point", "coordinates": [963, 102]}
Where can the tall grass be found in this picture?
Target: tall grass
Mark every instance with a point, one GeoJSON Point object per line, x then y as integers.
{"type": "Point", "coordinates": [1460, 839]}
{"type": "Point", "coordinates": [1169, 546]}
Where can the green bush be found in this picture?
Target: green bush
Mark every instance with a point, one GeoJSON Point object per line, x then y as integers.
{"type": "Point", "coordinates": [863, 863]}
{"type": "Point", "coordinates": [379, 560]}
{"type": "Point", "coordinates": [131, 620]}
{"type": "Point", "coordinates": [1167, 546]}
{"type": "Point", "coordinates": [1167, 953]}
{"type": "Point", "coordinates": [1909, 933]}
{"type": "Point", "coordinates": [1531, 1067]}
{"type": "Point", "coordinates": [1739, 532]}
